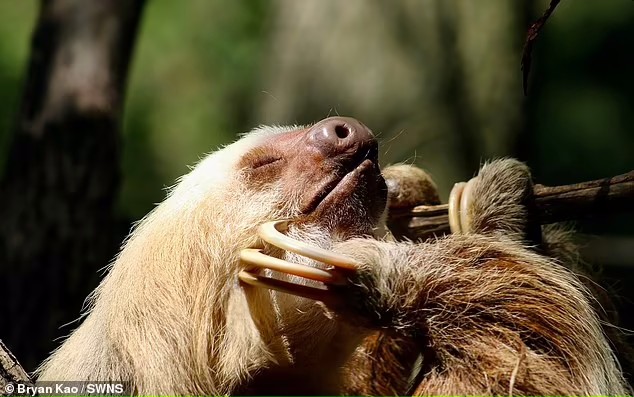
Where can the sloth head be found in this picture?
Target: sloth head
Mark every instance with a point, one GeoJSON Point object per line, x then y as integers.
{"type": "Point", "coordinates": [323, 176]}
{"type": "Point", "coordinates": [175, 282]}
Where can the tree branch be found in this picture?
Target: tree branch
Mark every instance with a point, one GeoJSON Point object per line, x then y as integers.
{"type": "Point", "coordinates": [11, 372]}
{"type": "Point", "coordinates": [551, 204]}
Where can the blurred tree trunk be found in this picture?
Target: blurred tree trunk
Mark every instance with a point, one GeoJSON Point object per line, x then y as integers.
{"type": "Point", "coordinates": [61, 180]}
{"type": "Point", "coordinates": [439, 80]}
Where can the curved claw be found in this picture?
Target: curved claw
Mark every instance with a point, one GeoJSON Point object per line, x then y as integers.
{"type": "Point", "coordinates": [459, 199]}
{"type": "Point", "coordinates": [455, 201]}
{"type": "Point", "coordinates": [465, 199]}
{"type": "Point", "coordinates": [255, 257]}
{"type": "Point", "coordinates": [271, 232]}
{"type": "Point", "coordinates": [305, 291]}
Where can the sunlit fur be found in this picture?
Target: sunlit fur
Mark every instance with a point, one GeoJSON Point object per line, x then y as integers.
{"type": "Point", "coordinates": [171, 317]}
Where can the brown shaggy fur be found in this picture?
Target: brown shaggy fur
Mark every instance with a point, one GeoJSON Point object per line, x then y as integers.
{"type": "Point", "coordinates": [387, 362]}
{"type": "Point", "coordinates": [514, 343]}
{"type": "Point", "coordinates": [489, 315]}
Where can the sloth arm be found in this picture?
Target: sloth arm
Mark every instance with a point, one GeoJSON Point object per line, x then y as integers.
{"type": "Point", "coordinates": [489, 314]}
{"type": "Point", "coordinates": [479, 309]}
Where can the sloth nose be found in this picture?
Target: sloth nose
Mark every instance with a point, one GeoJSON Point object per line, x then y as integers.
{"type": "Point", "coordinates": [340, 135]}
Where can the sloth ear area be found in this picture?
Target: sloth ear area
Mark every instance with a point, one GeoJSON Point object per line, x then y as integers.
{"type": "Point", "coordinates": [331, 278]}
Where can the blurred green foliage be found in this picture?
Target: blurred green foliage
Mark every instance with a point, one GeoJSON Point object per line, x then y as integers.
{"type": "Point", "coordinates": [198, 65]}
{"type": "Point", "coordinates": [192, 65]}
{"type": "Point", "coordinates": [17, 19]}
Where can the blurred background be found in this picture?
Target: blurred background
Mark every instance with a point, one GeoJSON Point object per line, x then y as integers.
{"type": "Point", "coordinates": [438, 81]}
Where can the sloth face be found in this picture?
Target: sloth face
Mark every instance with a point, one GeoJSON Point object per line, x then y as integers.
{"type": "Point", "coordinates": [327, 175]}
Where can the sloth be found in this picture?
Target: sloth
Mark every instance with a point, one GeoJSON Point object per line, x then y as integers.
{"type": "Point", "coordinates": [483, 313]}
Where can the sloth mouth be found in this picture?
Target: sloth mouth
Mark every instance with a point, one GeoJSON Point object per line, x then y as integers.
{"type": "Point", "coordinates": [362, 179]}
{"type": "Point", "coordinates": [343, 187]}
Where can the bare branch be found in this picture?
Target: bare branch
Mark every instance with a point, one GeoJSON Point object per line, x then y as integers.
{"type": "Point", "coordinates": [11, 371]}
{"type": "Point", "coordinates": [531, 36]}
{"type": "Point", "coordinates": [551, 203]}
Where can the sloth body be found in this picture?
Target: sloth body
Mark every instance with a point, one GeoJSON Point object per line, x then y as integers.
{"type": "Point", "coordinates": [486, 314]}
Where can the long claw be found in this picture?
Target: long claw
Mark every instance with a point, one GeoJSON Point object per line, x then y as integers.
{"type": "Point", "coordinates": [271, 232]}
{"type": "Point", "coordinates": [454, 207]}
{"type": "Point", "coordinates": [255, 257]}
{"type": "Point", "coordinates": [319, 294]}
{"type": "Point", "coordinates": [465, 216]}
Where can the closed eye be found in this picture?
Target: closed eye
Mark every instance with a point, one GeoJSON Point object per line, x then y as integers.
{"type": "Point", "coordinates": [265, 161]}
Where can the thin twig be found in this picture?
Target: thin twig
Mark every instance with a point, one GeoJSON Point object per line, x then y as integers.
{"type": "Point", "coordinates": [531, 37]}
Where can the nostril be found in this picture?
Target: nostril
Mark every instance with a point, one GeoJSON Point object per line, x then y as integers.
{"type": "Point", "coordinates": [339, 135]}
{"type": "Point", "coordinates": [342, 131]}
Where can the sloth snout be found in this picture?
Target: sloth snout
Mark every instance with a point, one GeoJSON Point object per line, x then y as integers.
{"type": "Point", "coordinates": [337, 136]}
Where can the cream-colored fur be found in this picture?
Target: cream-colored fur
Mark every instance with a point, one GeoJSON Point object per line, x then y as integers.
{"type": "Point", "coordinates": [171, 317]}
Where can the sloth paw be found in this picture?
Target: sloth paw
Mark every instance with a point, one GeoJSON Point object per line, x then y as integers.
{"type": "Point", "coordinates": [408, 186]}
{"type": "Point", "coordinates": [494, 202]}
{"type": "Point", "coordinates": [331, 279]}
